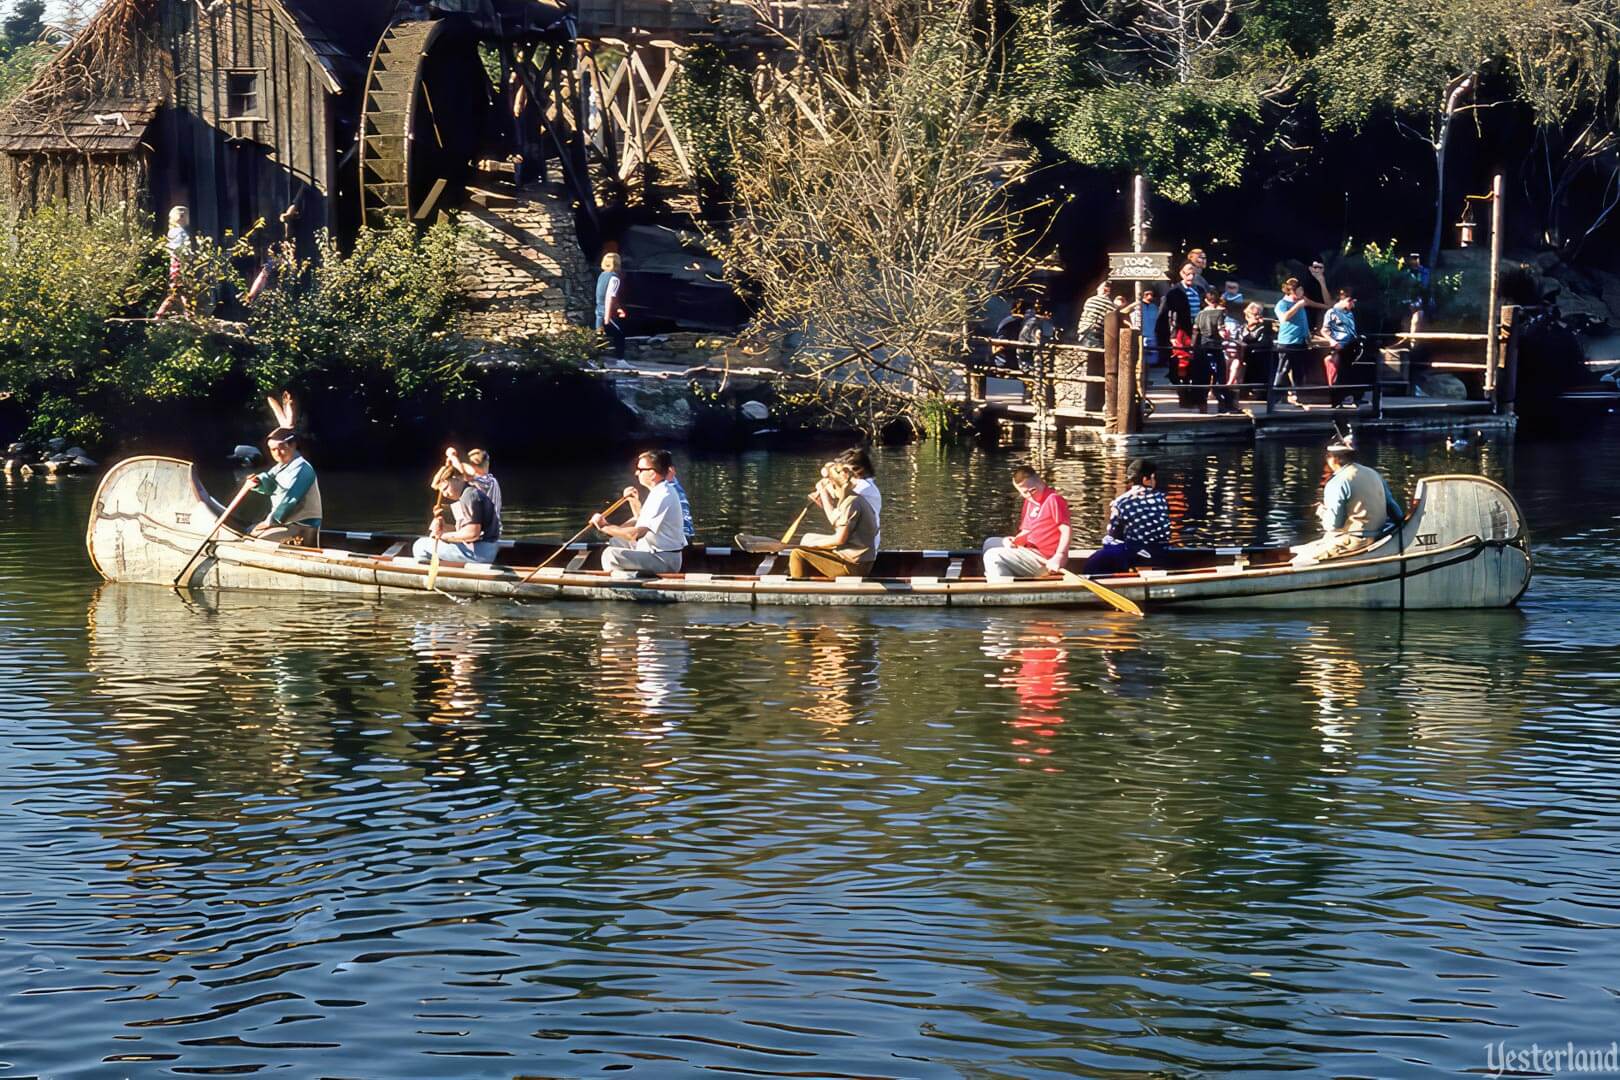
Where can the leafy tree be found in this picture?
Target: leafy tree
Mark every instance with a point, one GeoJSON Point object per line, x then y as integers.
{"type": "Point", "coordinates": [1184, 139]}
{"type": "Point", "coordinates": [1173, 89]}
{"type": "Point", "coordinates": [1426, 64]}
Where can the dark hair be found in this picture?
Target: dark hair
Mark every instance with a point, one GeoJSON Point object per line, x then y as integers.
{"type": "Point", "coordinates": [1215, 295]}
{"type": "Point", "coordinates": [1024, 472]}
{"type": "Point", "coordinates": [662, 460]}
{"type": "Point", "coordinates": [478, 458]}
{"type": "Point", "coordinates": [1019, 306]}
{"type": "Point", "coordinates": [1347, 294]}
{"type": "Point", "coordinates": [1150, 291]}
{"type": "Point", "coordinates": [859, 461]}
{"type": "Point", "coordinates": [1140, 469]}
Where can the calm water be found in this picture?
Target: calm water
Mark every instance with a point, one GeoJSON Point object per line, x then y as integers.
{"type": "Point", "coordinates": [255, 833]}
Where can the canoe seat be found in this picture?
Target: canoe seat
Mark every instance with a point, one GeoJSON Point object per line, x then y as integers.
{"type": "Point", "coordinates": [396, 548]}
{"type": "Point", "coordinates": [578, 560]}
{"type": "Point", "coordinates": [953, 572]}
{"type": "Point", "coordinates": [765, 565]}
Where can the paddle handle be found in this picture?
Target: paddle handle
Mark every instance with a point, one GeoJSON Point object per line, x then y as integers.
{"type": "Point", "coordinates": [186, 569]}
{"type": "Point", "coordinates": [438, 505]}
{"type": "Point", "coordinates": [793, 528]}
{"type": "Point", "coordinates": [570, 540]}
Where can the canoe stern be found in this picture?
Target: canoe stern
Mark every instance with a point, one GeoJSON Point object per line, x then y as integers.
{"type": "Point", "coordinates": [148, 516]}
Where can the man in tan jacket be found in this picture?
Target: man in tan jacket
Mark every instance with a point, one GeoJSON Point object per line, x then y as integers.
{"type": "Point", "coordinates": [1356, 507]}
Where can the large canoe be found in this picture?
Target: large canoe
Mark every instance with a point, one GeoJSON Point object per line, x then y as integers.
{"type": "Point", "coordinates": [1464, 545]}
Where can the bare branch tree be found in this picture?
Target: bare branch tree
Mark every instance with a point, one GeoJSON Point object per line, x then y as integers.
{"type": "Point", "coordinates": [872, 211]}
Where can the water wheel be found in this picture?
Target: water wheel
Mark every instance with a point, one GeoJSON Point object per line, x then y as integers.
{"type": "Point", "coordinates": [422, 120]}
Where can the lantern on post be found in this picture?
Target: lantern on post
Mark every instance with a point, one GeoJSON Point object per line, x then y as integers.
{"type": "Point", "coordinates": [1465, 224]}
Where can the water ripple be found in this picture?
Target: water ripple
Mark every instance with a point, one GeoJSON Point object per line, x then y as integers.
{"type": "Point", "coordinates": [249, 833]}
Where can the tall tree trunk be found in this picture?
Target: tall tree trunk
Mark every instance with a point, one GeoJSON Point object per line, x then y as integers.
{"type": "Point", "coordinates": [1453, 98]}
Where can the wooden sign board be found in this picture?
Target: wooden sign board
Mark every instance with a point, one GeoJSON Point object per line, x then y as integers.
{"type": "Point", "coordinates": [1139, 266]}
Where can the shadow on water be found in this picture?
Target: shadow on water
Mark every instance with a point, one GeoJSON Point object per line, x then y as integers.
{"type": "Point", "coordinates": [247, 831]}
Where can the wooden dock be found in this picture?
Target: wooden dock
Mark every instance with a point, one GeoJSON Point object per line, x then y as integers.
{"type": "Point", "coordinates": [1170, 423]}
{"type": "Point", "coordinates": [1087, 393]}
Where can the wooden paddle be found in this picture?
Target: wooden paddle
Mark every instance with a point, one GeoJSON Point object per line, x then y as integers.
{"type": "Point", "coordinates": [569, 541]}
{"type": "Point", "coordinates": [247, 486]}
{"type": "Point", "coordinates": [1103, 593]}
{"type": "Point", "coordinates": [765, 545]}
{"type": "Point", "coordinates": [438, 505]}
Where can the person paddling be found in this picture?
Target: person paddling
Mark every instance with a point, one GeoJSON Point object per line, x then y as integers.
{"type": "Point", "coordinates": [475, 467]}
{"type": "Point", "coordinates": [654, 541]}
{"type": "Point", "coordinates": [476, 530]}
{"type": "Point", "coordinates": [295, 494]}
{"type": "Point", "coordinates": [851, 548]}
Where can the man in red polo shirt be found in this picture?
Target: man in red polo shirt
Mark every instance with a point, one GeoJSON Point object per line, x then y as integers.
{"type": "Point", "coordinates": [1041, 546]}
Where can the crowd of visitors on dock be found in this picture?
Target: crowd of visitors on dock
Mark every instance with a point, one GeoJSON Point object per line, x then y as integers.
{"type": "Point", "coordinates": [1356, 508]}
{"type": "Point", "coordinates": [1216, 340]}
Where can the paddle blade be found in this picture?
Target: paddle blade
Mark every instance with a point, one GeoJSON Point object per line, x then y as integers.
{"type": "Point", "coordinates": [757, 545]}
{"type": "Point", "coordinates": [1108, 596]}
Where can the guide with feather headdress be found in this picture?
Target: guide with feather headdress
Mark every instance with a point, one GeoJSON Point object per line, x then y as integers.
{"type": "Point", "coordinates": [295, 494]}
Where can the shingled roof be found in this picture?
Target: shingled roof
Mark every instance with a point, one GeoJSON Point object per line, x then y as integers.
{"type": "Point", "coordinates": [341, 34]}
{"type": "Point", "coordinates": [107, 126]}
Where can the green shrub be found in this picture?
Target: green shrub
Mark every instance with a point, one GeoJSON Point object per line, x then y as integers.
{"type": "Point", "coordinates": [376, 322]}
{"type": "Point", "coordinates": [61, 282]}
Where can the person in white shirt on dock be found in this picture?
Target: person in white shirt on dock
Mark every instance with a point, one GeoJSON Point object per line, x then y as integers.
{"type": "Point", "coordinates": [654, 541]}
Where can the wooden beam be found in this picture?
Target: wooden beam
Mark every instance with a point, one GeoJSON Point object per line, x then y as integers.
{"type": "Point", "coordinates": [430, 205]}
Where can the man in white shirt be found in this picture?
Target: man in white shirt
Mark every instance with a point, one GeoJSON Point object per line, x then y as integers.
{"type": "Point", "coordinates": [654, 541]}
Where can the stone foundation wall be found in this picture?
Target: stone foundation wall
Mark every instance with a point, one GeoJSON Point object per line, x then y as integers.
{"type": "Point", "coordinates": [525, 272]}
{"type": "Point", "coordinates": [687, 350]}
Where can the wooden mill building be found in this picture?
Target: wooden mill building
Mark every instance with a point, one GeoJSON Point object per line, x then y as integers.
{"type": "Point", "coordinates": [235, 108]}
{"type": "Point", "coordinates": [369, 111]}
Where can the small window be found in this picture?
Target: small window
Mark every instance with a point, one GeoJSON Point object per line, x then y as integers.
{"type": "Point", "coordinates": [241, 95]}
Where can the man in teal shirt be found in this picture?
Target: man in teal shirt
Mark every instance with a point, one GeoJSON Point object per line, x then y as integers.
{"type": "Point", "coordinates": [295, 496]}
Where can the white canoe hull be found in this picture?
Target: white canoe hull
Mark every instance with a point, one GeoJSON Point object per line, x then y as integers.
{"type": "Point", "coordinates": [1464, 546]}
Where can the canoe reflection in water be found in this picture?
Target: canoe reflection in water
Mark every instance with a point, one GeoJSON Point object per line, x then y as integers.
{"type": "Point", "coordinates": [836, 665]}
{"type": "Point", "coordinates": [644, 668]}
{"type": "Point", "coordinates": [448, 656]}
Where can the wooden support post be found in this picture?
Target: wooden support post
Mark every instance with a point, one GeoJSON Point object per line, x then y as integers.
{"type": "Point", "coordinates": [1129, 403]}
{"type": "Point", "coordinates": [1507, 391]}
{"type": "Point", "coordinates": [1111, 396]}
{"type": "Point", "coordinates": [1492, 328]}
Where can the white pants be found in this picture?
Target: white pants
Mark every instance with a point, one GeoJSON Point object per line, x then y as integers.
{"type": "Point", "coordinates": [622, 555]}
{"type": "Point", "coordinates": [1005, 563]}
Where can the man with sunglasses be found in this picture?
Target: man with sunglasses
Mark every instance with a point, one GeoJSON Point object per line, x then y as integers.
{"type": "Point", "coordinates": [653, 542]}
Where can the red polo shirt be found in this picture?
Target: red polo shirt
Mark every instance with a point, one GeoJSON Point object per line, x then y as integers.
{"type": "Point", "coordinates": [1043, 516]}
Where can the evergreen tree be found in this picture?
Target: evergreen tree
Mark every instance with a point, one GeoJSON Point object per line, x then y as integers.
{"type": "Point", "coordinates": [23, 26]}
